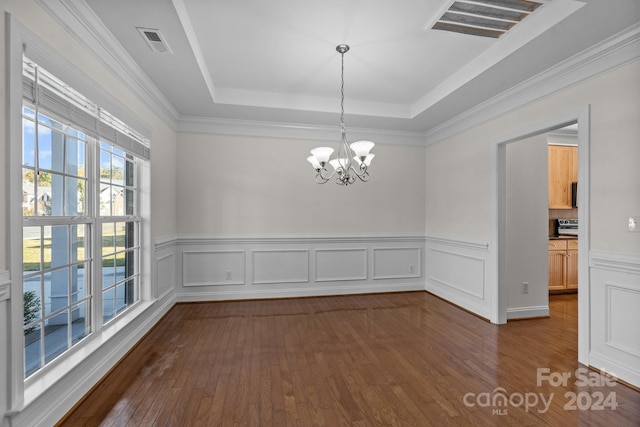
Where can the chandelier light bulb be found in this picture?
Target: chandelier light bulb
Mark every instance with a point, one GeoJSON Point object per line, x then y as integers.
{"type": "Point", "coordinates": [322, 154]}
{"type": "Point", "coordinates": [362, 148]}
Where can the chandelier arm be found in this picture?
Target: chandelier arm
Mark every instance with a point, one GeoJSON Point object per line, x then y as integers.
{"type": "Point", "coordinates": [323, 176]}
{"type": "Point", "coordinates": [320, 179]}
{"type": "Point", "coordinates": [363, 174]}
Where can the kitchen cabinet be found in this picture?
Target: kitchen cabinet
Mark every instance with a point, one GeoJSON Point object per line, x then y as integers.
{"type": "Point", "coordinates": [563, 170]}
{"type": "Point", "coordinates": [563, 265]}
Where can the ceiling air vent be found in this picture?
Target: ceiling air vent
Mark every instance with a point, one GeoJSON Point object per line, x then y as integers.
{"type": "Point", "coordinates": [154, 39]}
{"type": "Point", "coordinates": [486, 18]}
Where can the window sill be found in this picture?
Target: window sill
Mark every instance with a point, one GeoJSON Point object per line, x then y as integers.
{"type": "Point", "coordinates": [41, 382]}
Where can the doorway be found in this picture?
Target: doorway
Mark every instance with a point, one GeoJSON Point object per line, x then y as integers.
{"type": "Point", "coordinates": [499, 233]}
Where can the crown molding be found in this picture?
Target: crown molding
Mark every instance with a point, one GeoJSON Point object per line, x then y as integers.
{"type": "Point", "coordinates": [210, 125]}
{"type": "Point", "coordinates": [81, 22]}
{"type": "Point", "coordinates": [317, 239]}
{"type": "Point", "coordinates": [611, 53]}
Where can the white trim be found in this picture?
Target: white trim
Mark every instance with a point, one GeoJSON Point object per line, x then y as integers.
{"type": "Point", "coordinates": [616, 262]}
{"type": "Point", "coordinates": [629, 374]}
{"type": "Point", "coordinates": [362, 276]}
{"type": "Point", "coordinates": [236, 282]}
{"type": "Point", "coordinates": [610, 309]}
{"type": "Point", "coordinates": [5, 285]}
{"type": "Point", "coordinates": [190, 239]}
{"type": "Point", "coordinates": [219, 126]}
{"type": "Point", "coordinates": [305, 279]}
{"type": "Point", "coordinates": [40, 52]}
{"type": "Point", "coordinates": [297, 292]}
{"type": "Point", "coordinates": [417, 269]}
{"type": "Point", "coordinates": [165, 242]}
{"type": "Point", "coordinates": [465, 288]}
{"type": "Point", "coordinates": [81, 22]}
{"type": "Point", "coordinates": [527, 312]}
{"type": "Point", "coordinates": [479, 245]}
{"type": "Point", "coordinates": [192, 38]}
{"type": "Point", "coordinates": [613, 52]}
{"type": "Point", "coordinates": [40, 395]}
{"type": "Point", "coordinates": [430, 278]}
{"type": "Point", "coordinates": [52, 401]}
{"type": "Point", "coordinates": [498, 289]}
{"type": "Point", "coordinates": [14, 46]}
{"type": "Point", "coordinates": [333, 278]}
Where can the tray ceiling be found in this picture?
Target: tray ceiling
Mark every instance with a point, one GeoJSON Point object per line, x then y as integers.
{"type": "Point", "coordinates": [276, 60]}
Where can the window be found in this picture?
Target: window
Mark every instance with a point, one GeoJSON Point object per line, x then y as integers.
{"type": "Point", "coordinates": [119, 230]}
{"type": "Point", "coordinates": [81, 223]}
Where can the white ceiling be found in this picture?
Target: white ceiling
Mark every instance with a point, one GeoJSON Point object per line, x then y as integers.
{"type": "Point", "coordinates": [276, 60]}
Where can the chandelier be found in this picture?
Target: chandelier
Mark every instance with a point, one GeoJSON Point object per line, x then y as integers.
{"type": "Point", "coordinates": [352, 160]}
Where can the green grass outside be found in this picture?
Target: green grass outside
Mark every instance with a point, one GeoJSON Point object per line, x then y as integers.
{"type": "Point", "coordinates": [31, 252]}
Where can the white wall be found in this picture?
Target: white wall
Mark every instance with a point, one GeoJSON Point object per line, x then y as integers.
{"type": "Point", "coordinates": [459, 168]}
{"type": "Point", "coordinates": [527, 227]}
{"type": "Point", "coordinates": [231, 185]}
{"type": "Point", "coordinates": [253, 223]}
{"type": "Point", "coordinates": [163, 201]}
{"type": "Point", "coordinates": [459, 193]}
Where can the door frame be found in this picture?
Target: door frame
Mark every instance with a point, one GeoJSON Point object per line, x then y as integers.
{"type": "Point", "coordinates": [581, 116]}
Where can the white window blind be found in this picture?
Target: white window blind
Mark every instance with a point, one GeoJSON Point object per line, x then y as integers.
{"type": "Point", "coordinates": [48, 93]}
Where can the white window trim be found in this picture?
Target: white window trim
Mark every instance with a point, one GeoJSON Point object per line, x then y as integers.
{"type": "Point", "coordinates": [24, 392]}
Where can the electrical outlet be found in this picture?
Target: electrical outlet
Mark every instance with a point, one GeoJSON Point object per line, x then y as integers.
{"type": "Point", "coordinates": [634, 223]}
{"type": "Point", "coordinates": [229, 275]}
{"type": "Point", "coordinates": [525, 287]}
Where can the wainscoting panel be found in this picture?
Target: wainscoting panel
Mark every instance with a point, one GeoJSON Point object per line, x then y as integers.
{"type": "Point", "coordinates": [614, 299]}
{"type": "Point", "coordinates": [217, 268]}
{"type": "Point", "coordinates": [341, 264]}
{"type": "Point", "coordinates": [295, 266]}
{"type": "Point", "coordinates": [457, 271]}
{"type": "Point", "coordinates": [280, 266]}
{"type": "Point", "coordinates": [166, 272]}
{"type": "Point", "coordinates": [396, 263]}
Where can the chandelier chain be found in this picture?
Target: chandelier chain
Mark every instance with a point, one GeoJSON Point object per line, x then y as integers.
{"type": "Point", "coordinates": [342, 125]}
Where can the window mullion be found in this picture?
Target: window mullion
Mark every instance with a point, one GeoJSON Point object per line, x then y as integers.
{"type": "Point", "coordinates": [96, 233]}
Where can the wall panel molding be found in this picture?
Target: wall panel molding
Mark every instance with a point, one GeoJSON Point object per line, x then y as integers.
{"type": "Point", "coordinates": [396, 263]}
{"type": "Point", "coordinates": [272, 266]}
{"type": "Point", "coordinates": [340, 264]}
{"type": "Point", "coordinates": [297, 265]}
{"type": "Point", "coordinates": [614, 295]}
{"type": "Point", "coordinates": [166, 272]}
{"type": "Point", "coordinates": [621, 303]}
{"type": "Point", "coordinates": [213, 268]}
{"type": "Point", "coordinates": [457, 270]}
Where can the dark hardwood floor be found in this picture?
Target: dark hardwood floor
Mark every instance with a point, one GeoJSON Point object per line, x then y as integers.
{"type": "Point", "coordinates": [405, 359]}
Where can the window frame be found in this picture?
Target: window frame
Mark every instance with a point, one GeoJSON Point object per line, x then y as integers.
{"type": "Point", "coordinates": [23, 392]}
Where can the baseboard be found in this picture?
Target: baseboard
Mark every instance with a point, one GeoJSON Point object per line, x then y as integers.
{"type": "Point", "coordinates": [527, 312]}
{"type": "Point", "coordinates": [249, 294]}
{"type": "Point", "coordinates": [454, 298]}
{"type": "Point", "coordinates": [628, 374]}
